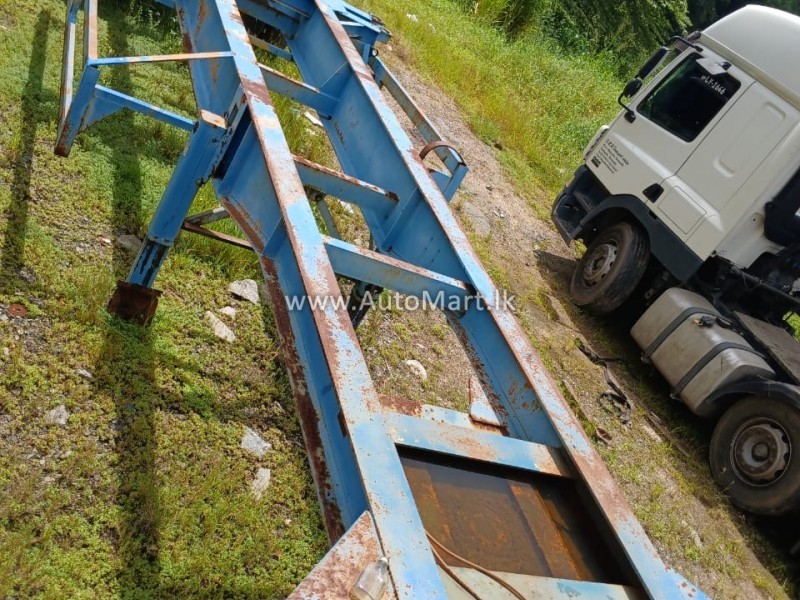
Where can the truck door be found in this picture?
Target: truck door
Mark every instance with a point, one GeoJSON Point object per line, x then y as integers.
{"type": "Point", "coordinates": [717, 172]}
{"type": "Point", "coordinates": [694, 103]}
{"type": "Point", "coordinates": [640, 155]}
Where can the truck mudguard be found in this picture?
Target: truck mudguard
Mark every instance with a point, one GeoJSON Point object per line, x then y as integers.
{"type": "Point", "coordinates": [579, 208]}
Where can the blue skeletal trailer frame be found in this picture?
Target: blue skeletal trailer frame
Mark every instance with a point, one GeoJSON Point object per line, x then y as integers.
{"type": "Point", "coordinates": [355, 438]}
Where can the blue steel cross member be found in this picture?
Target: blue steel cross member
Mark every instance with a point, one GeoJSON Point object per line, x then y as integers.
{"type": "Point", "coordinates": [510, 498]}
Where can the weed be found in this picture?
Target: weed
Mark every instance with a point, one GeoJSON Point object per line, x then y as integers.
{"type": "Point", "coordinates": [145, 491]}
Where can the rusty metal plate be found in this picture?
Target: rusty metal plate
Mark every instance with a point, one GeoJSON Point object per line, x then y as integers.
{"type": "Point", "coordinates": [17, 310]}
{"type": "Point", "coordinates": [509, 521]}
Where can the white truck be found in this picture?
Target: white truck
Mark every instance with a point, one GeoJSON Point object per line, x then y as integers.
{"type": "Point", "coordinates": [690, 199]}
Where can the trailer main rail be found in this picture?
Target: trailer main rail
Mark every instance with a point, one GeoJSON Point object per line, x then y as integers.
{"type": "Point", "coordinates": [511, 498]}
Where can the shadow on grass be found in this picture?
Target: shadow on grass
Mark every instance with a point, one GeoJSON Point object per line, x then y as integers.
{"type": "Point", "coordinates": [16, 216]}
{"type": "Point", "coordinates": [125, 370]}
{"type": "Point", "coordinates": [127, 215]}
{"type": "Point", "coordinates": [126, 363]}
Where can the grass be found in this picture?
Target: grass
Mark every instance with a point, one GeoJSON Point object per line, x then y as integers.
{"type": "Point", "coordinates": [145, 491]}
{"type": "Point", "coordinates": [539, 104]}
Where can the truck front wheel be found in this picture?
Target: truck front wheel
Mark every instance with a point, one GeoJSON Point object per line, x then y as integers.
{"type": "Point", "coordinates": [610, 269]}
{"type": "Point", "coordinates": [755, 455]}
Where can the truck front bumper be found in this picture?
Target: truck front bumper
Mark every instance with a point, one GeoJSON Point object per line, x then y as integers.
{"type": "Point", "coordinates": [579, 198]}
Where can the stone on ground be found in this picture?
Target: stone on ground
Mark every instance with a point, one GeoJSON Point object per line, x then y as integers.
{"type": "Point", "coordinates": [219, 328]}
{"type": "Point", "coordinates": [58, 416]}
{"type": "Point", "coordinates": [254, 443]}
{"type": "Point", "coordinates": [417, 368]}
{"type": "Point", "coordinates": [246, 289]}
{"type": "Point", "coordinates": [260, 483]}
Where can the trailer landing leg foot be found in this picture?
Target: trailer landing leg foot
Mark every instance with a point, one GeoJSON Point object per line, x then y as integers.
{"type": "Point", "coordinates": [134, 303]}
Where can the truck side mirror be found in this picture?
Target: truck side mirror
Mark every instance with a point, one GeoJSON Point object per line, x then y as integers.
{"type": "Point", "coordinates": [633, 86]}
{"type": "Point", "coordinates": [652, 62]}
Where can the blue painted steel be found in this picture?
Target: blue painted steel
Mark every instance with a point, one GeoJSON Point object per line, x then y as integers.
{"type": "Point", "coordinates": [448, 184]}
{"type": "Point", "coordinates": [366, 196]}
{"type": "Point", "coordinates": [305, 94]}
{"type": "Point", "coordinates": [192, 171]}
{"type": "Point", "coordinates": [237, 143]}
{"type": "Point", "coordinates": [364, 265]}
{"type": "Point", "coordinates": [444, 438]}
{"type": "Point", "coordinates": [107, 101]}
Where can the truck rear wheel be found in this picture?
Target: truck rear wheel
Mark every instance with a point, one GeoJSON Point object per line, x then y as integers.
{"type": "Point", "coordinates": [755, 455]}
{"type": "Point", "coordinates": [610, 269]}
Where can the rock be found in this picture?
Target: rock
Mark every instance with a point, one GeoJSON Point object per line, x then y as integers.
{"type": "Point", "coordinates": [131, 243]}
{"type": "Point", "coordinates": [254, 443]}
{"type": "Point", "coordinates": [27, 275]}
{"type": "Point", "coordinates": [260, 483]}
{"type": "Point", "coordinates": [58, 416]}
{"type": "Point", "coordinates": [246, 289]}
{"type": "Point", "coordinates": [417, 368]}
{"type": "Point", "coordinates": [228, 311]}
{"type": "Point", "coordinates": [85, 374]}
{"type": "Point", "coordinates": [219, 328]}
{"type": "Point", "coordinates": [312, 118]}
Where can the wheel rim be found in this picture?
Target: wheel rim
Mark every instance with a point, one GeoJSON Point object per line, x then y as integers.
{"type": "Point", "coordinates": [599, 263]}
{"type": "Point", "coordinates": [761, 451]}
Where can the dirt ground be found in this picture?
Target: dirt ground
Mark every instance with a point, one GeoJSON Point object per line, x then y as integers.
{"type": "Point", "coordinates": [659, 456]}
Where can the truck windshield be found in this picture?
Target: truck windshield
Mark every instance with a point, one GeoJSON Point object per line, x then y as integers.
{"type": "Point", "coordinates": [688, 98]}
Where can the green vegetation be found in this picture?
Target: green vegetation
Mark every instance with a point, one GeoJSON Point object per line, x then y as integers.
{"type": "Point", "coordinates": [145, 492]}
{"type": "Point", "coordinates": [629, 30]}
{"type": "Point", "coordinates": [538, 102]}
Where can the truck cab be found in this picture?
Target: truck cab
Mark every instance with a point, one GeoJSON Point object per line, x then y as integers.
{"type": "Point", "coordinates": [703, 159]}
{"type": "Point", "coordinates": [695, 185]}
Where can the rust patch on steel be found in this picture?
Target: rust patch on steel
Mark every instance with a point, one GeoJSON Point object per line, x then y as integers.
{"type": "Point", "coordinates": [344, 177]}
{"type": "Point", "coordinates": [216, 235]}
{"type": "Point", "coordinates": [309, 418]}
{"type": "Point", "coordinates": [202, 15]}
{"type": "Point", "coordinates": [404, 406]}
{"type": "Point", "coordinates": [255, 89]}
{"type": "Point", "coordinates": [187, 42]}
{"type": "Point", "coordinates": [335, 575]}
{"type": "Point", "coordinates": [134, 303]}
{"type": "Point", "coordinates": [255, 237]}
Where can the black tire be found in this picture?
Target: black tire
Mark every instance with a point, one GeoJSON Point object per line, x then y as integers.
{"type": "Point", "coordinates": [755, 455]}
{"type": "Point", "coordinates": [610, 269]}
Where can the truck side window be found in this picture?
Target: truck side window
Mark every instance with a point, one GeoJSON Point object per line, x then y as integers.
{"type": "Point", "coordinates": [686, 101]}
